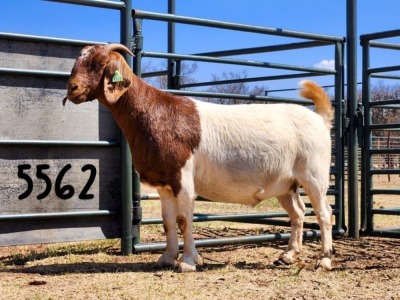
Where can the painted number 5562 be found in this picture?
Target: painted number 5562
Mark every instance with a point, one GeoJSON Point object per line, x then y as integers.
{"type": "Point", "coordinates": [64, 192]}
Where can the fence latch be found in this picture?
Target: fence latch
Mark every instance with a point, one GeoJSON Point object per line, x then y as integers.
{"type": "Point", "coordinates": [360, 124]}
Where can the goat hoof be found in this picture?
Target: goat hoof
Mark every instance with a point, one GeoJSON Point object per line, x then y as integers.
{"type": "Point", "coordinates": [185, 267]}
{"type": "Point", "coordinates": [167, 262]}
{"type": "Point", "coordinates": [282, 261]}
{"type": "Point", "coordinates": [286, 258]}
{"type": "Point", "coordinates": [325, 263]}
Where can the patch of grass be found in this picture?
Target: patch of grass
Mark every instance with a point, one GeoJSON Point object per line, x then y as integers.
{"type": "Point", "coordinates": [268, 205]}
{"type": "Point", "coordinates": [383, 221]}
{"type": "Point", "coordinates": [40, 252]}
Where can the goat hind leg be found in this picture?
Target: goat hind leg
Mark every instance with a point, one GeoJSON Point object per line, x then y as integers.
{"type": "Point", "coordinates": [324, 216]}
{"type": "Point", "coordinates": [294, 206]}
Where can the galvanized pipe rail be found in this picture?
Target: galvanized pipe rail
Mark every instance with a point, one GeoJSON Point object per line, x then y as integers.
{"type": "Point", "coordinates": [56, 216]}
{"type": "Point", "coordinates": [248, 79]}
{"type": "Point", "coordinates": [368, 191]}
{"type": "Point", "coordinates": [140, 14]}
{"type": "Point", "coordinates": [36, 73]}
{"type": "Point", "coordinates": [221, 58]}
{"type": "Point", "coordinates": [236, 62]}
{"type": "Point", "coordinates": [312, 234]}
{"type": "Point", "coordinates": [46, 39]}
{"type": "Point", "coordinates": [245, 218]}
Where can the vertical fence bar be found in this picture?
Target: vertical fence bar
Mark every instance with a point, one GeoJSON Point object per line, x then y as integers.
{"type": "Point", "coordinates": [352, 109]}
{"type": "Point", "coordinates": [126, 160]}
{"type": "Point", "coordinates": [339, 147]}
{"type": "Point", "coordinates": [365, 155]}
{"type": "Point", "coordinates": [171, 46]}
{"type": "Point", "coordinates": [137, 69]}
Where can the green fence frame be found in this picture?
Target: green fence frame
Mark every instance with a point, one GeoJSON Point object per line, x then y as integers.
{"type": "Point", "coordinates": [368, 211]}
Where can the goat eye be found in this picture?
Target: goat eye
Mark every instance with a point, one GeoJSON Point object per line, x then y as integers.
{"type": "Point", "coordinates": [99, 65]}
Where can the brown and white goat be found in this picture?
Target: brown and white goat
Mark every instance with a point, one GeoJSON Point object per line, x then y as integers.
{"type": "Point", "coordinates": [239, 153]}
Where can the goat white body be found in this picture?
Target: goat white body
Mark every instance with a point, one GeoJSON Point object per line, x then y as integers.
{"type": "Point", "coordinates": [249, 153]}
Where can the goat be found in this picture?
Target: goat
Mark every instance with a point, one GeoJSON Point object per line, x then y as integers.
{"type": "Point", "coordinates": [237, 153]}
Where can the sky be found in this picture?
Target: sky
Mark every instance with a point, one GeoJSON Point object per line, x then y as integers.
{"type": "Point", "coordinates": [328, 17]}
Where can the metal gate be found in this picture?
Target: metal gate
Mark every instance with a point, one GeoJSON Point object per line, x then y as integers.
{"type": "Point", "coordinates": [380, 156]}
{"type": "Point", "coordinates": [306, 40]}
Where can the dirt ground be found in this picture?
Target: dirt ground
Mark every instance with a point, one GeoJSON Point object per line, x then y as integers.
{"type": "Point", "coordinates": [367, 268]}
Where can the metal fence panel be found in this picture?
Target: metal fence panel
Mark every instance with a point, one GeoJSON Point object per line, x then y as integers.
{"type": "Point", "coordinates": [54, 159]}
{"type": "Point", "coordinates": [380, 154]}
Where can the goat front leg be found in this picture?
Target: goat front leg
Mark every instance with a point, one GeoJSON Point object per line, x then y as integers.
{"type": "Point", "coordinates": [189, 258]}
{"type": "Point", "coordinates": [169, 215]}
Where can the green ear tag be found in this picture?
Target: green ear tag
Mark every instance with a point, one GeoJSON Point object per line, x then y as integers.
{"type": "Point", "coordinates": [117, 77]}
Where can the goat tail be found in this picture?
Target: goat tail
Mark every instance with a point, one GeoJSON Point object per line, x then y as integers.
{"type": "Point", "coordinates": [317, 94]}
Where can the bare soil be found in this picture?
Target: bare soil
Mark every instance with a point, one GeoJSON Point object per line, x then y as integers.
{"type": "Point", "coordinates": [367, 268]}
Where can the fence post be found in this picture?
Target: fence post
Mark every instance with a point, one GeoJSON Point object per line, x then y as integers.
{"type": "Point", "coordinates": [126, 160]}
{"type": "Point", "coordinates": [339, 145]}
{"type": "Point", "coordinates": [352, 109]}
{"type": "Point", "coordinates": [365, 154]}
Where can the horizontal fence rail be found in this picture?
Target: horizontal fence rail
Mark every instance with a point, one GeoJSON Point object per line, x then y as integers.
{"type": "Point", "coordinates": [139, 14]}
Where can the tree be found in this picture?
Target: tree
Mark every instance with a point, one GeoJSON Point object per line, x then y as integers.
{"type": "Point", "coordinates": [233, 88]}
{"type": "Point", "coordinates": [161, 82]}
{"type": "Point", "coordinates": [383, 114]}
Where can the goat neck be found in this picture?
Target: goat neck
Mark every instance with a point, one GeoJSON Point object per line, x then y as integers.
{"type": "Point", "coordinates": [163, 131]}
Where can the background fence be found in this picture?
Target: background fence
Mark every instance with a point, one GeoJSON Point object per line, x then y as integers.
{"type": "Point", "coordinates": [380, 156]}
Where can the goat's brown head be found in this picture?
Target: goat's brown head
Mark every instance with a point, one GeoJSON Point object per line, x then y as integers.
{"type": "Point", "coordinates": [99, 73]}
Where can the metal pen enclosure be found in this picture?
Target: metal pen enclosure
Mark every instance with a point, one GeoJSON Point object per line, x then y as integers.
{"type": "Point", "coordinates": [369, 128]}
{"type": "Point", "coordinates": [49, 162]}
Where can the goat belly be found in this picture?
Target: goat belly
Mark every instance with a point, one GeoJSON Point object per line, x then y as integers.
{"type": "Point", "coordinates": [222, 183]}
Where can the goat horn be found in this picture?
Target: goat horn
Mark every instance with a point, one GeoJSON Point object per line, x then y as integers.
{"type": "Point", "coordinates": [111, 47]}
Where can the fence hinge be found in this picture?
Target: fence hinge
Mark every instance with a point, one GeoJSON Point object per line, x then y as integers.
{"type": "Point", "coordinates": [346, 119]}
{"type": "Point", "coordinates": [360, 124]}
{"type": "Point", "coordinates": [137, 43]}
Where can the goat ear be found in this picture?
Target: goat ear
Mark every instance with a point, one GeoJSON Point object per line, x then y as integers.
{"type": "Point", "coordinates": [117, 79]}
